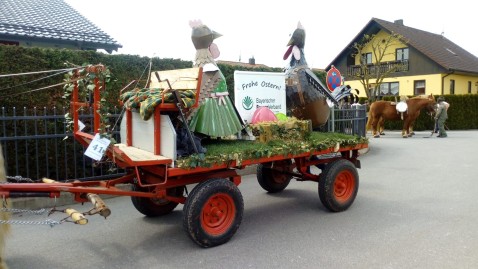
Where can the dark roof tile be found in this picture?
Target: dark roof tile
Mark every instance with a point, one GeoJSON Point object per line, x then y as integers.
{"type": "Point", "coordinates": [52, 19]}
{"type": "Point", "coordinates": [436, 47]}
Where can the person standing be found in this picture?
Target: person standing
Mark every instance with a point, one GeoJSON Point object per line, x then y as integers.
{"type": "Point", "coordinates": [441, 116]}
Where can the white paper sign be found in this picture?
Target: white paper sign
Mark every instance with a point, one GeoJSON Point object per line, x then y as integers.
{"type": "Point", "coordinates": [256, 89]}
{"type": "Point", "coordinates": [97, 147]}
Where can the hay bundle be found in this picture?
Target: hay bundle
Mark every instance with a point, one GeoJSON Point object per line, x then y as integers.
{"type": "Point", "coordinates": [290, 129]}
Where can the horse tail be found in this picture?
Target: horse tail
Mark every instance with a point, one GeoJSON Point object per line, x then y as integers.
{"type": "Point", "coordinates": [368, 127]}
{"type": "Point", "coordinates": [369, 123]}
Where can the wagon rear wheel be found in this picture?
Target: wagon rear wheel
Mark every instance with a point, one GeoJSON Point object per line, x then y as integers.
{"type": "Point", "coordinates": [338, 185]}
{"type": "Point", "coordinates": [213, 212]}
{"type": "Point", "coordinates": [153, 207]}
{"type": "Point", "coordinates": [271, 177]}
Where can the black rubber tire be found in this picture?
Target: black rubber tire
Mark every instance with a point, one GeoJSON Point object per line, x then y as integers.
{"type": "Point", "coordinates": [338, 185]}
{"type": "Point", "coordinates": [155, 207]}
{"type": "Point", "coordinates": [271, 180]}
{"type": "Point", "coordinates": [213, 212]}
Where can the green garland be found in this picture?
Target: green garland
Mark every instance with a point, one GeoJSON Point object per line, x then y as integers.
{"type": "Point", "coordinates": [85, 78]}
{"type": "Point", "coordinates": [224, 152]}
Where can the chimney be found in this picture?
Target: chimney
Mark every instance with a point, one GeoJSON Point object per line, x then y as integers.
{"type": "Point", "coordinates": [252, 60]}
{"type": "Point", "coordinates": [399, 22]}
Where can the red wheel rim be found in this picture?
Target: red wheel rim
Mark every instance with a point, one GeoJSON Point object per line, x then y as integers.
{"type": "Point", "coordinates": [344, 186]}
{"type": "Point", "coordinates": [218, 214]}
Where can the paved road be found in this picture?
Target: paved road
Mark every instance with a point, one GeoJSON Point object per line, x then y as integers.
{"type": "Point", "coordinates": [416, 208]}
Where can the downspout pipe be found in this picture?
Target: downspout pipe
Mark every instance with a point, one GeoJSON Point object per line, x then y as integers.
{"type": "Point", "coordinates": [450, 72]}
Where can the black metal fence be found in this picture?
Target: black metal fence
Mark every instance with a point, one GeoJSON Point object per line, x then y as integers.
{"type": "Point", "coordinates": [37, 144]}
{"type": "Point", "coordinates": [348, 120]}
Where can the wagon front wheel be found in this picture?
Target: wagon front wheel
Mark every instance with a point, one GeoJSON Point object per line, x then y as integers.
{"type": "Point", "coordinates": [338, 185]}
{"type": "Point", "coordinates": [213, 212]}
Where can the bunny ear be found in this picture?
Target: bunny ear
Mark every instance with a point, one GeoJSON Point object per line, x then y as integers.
{"type": "Point", "coordinates": [195, 23]}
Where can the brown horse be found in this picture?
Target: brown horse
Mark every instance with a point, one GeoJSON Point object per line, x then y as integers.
{"type": "Point", "coordinates": [386, 110]}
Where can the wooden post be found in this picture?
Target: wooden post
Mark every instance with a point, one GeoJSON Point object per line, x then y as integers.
{"type": "Point", "coordinates": [74, 106]}
{"type": "Point", "coordinates": [129, 128]}
{"type": "Point", "coordinates": [157, 131]}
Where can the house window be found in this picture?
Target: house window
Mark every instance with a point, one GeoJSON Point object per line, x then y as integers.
{"type": "Point", "coordinates": [452, 86]}
{"type": "Point", "coordinates": [389, 88]}
{"type": "Point", "coordinates": [469, 86]}
{"type": "Point", "coordinates": [367, 58]}
{"type": "Point", "coordinates": [419, 87]}
{"type": "Point", "coordinates": [402, 54]}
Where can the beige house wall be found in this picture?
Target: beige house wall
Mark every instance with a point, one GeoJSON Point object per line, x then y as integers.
{"type": "Point", "coordinates": [389, 55]}
{"type": "Point", "coordinates": [433, 84]}
{"type": "Point", "coordinates": [461, 84]}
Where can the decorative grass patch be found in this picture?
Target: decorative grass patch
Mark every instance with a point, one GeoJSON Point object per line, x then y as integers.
{"type": "Point", "coordinates": [225, 151]}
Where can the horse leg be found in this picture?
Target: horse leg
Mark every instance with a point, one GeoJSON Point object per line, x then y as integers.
{"type": "Point", "coordinates": [381, 126]}
{"type": "Point", "coordinates": [4, 228]}
{"type": "Point", "coordinates": [375, 126]}
{"type": "Point", "coordinates": [405, 129]}
{"type": "Point", "coordinates": [410, 125]}
{"type": "Point", "coordinates": [404, 133]}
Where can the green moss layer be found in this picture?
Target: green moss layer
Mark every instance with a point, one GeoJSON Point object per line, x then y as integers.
{"type": "Point", "coordinates": [225, 151]}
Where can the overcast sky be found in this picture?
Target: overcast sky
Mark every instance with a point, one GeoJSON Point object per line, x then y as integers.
{"type": "Point", "coordinates": [261, 29]}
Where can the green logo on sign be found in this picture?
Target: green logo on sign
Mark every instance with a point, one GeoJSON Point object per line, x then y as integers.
{"type": "Point", "coordinates": [247, 103]}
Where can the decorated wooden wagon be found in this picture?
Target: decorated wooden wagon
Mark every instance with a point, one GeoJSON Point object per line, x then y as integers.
{"type": "Point", "coordinates": [159, 178]}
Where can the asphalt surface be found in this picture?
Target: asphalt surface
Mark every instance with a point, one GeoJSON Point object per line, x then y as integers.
{"type": "Point", "coordinates": [415, 208]}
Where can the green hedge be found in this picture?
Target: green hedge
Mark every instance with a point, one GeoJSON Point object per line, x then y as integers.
{"type": "Point", "coordinates": [17, 91]}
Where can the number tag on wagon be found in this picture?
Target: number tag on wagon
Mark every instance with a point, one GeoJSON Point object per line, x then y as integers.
{"type": "Point", "coordinates": [97, 147]}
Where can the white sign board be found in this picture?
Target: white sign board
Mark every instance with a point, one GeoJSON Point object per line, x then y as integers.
{"type": "Point", "coordinates": [256, 89]}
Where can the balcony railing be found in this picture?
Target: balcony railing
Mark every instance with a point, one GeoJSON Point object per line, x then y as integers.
{"type": "Point", "coordinates": [381, 68]}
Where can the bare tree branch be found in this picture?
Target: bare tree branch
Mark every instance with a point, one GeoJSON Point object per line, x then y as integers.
{"type": "Point", "coordinates": [379, 69]}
